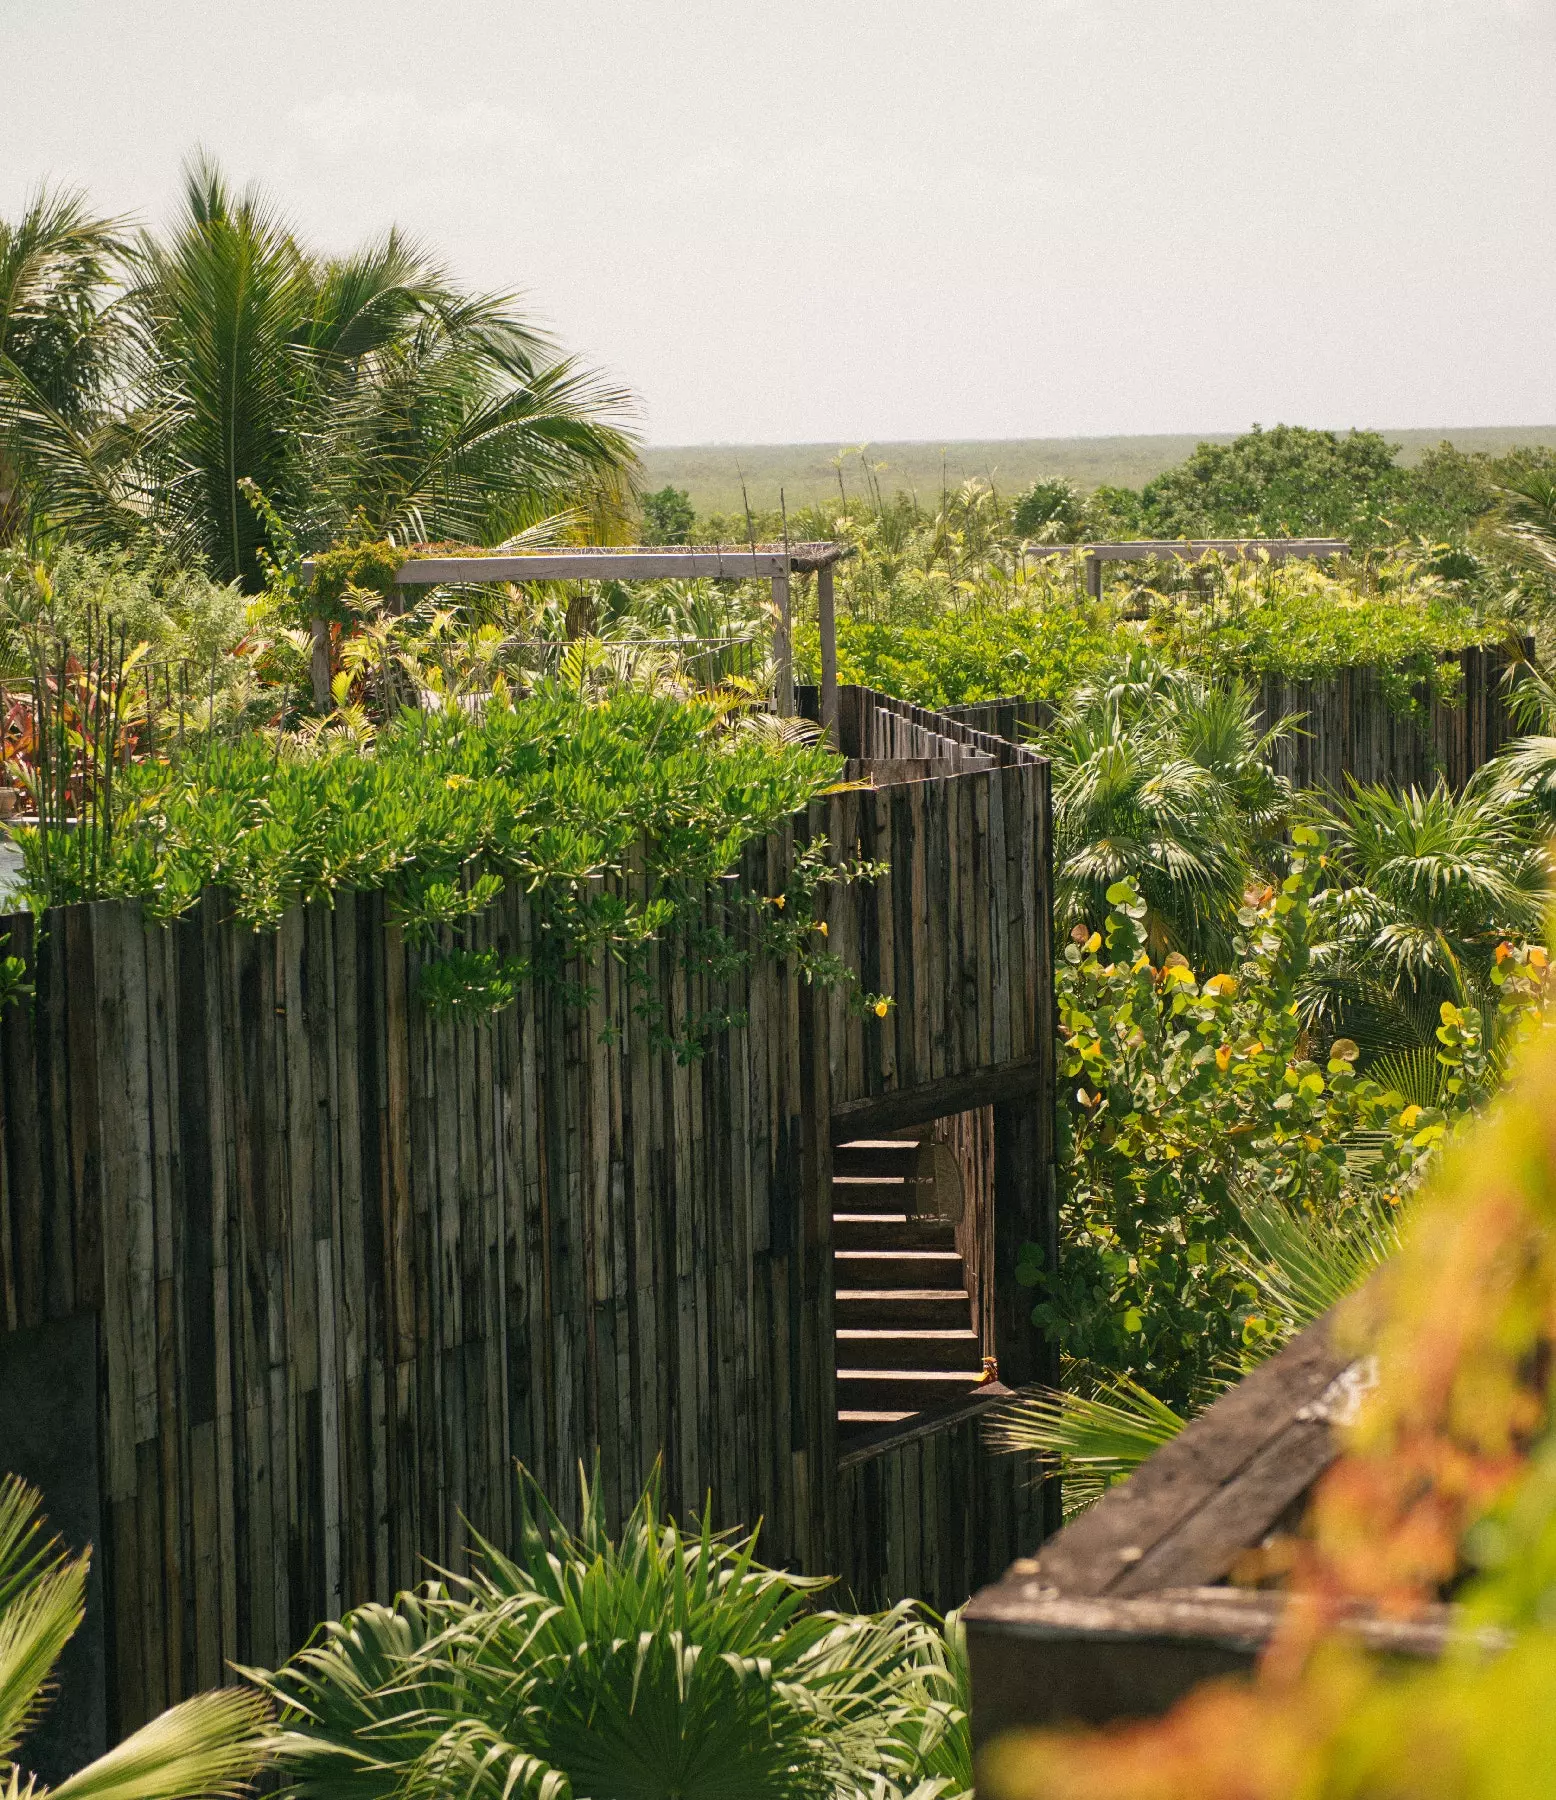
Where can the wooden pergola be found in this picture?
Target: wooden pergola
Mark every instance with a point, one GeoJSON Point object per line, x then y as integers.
{"type": "Point", "coordinates": [774, 563]}
{"type": "Point", "coordinates": [1188, 550]}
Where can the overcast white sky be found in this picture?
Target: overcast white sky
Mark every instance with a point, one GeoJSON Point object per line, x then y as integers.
{"type": "Point", "coordinates": [873, 219]}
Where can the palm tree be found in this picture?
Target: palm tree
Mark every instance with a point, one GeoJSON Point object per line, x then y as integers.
{"type": "Point", "coordinates": [208, 1746]}
{"type": "Point", "coordinates": [663, 1663]}
{"type": "Point", "coordinates": [1163, 779]}
{"type": "Point", "coordinates": [367, 385]}
{"type": "Point", "coordinates": [1430, 883]}
{"type": "Point", "coordinates": [56, 338]}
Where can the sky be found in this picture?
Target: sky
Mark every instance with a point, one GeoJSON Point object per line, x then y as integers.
{"type": "Point", "coordinates": [874, 220]}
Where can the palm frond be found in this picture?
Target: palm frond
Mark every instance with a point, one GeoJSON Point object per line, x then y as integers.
{"type": "Point", "coordinates": [1093, 1440]}
{"type": "Point", "coordinates": [1302, 1266]}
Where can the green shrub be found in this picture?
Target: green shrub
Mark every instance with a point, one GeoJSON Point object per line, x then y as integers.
{"type": "Point", "coordinates": [554, 792]}
{"type": "Point", "coordinates": [985, 653]}
{"type": "Point", "coordinates": [1180, 1095]}
{"type": "Point", "coordinates": [660, 1665]}
{"type": "Point", "coordinates": [180, 614]}
{"type": "Point", "coordinates": [1304, 621]}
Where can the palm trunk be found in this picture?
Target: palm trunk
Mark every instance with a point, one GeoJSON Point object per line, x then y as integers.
{"type": "Point", "coordinates": [321, 666]}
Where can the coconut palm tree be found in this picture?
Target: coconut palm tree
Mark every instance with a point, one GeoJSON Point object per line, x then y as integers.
{"type": "Point", "coordinates": [663, 1663]}
{"type": "Point", "coordinates": [1163, 779]}
{"type": "Point", "coordinates": [56, 338]}
{"type": "Point", "coordinates": [365, 386]}
{"type": "Point", "coordinates": [208, 1746]}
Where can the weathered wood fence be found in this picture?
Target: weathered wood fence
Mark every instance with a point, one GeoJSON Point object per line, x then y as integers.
{"type": "Point", "coordinates": [1353, 727]}
{"type": "Point", "coordinates": [1352, 724]}
{"type": "Point", "coordinates": [339, 1264]}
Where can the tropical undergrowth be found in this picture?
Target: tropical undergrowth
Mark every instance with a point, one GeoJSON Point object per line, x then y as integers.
{"type": "Point", "coordinates": [1190, 1101]}
{"type": "Point", "coordinates": [663, 1664]}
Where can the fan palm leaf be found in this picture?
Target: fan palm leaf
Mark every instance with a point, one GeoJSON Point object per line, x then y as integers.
{"type": "Point", "coordinates": [209, 1746]}
{"type": "Point", "coordinates": [1302, 1265]}
{"type": "Point", "coordinates": [1093, 1439]}
{"type": "Point", "coordinates": [663, 1662]}
{"type": "Point", "coordinates": [1161, 778]}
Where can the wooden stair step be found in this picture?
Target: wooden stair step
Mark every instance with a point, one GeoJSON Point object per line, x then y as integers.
{"type": "Point", "coordinates": [869, 1193]}
{"type": "Point", "coordinates": [899, 1268]}
{"type": "Point", "coordinates": [890, 1231]}
{"type": "Point", "coordinates": [905, 1390]}
{"type": "Point", "coordinates": [901, 1308]}
{"type": "Point", "coordinates": [851, 1421]}
{"type": "Point", "coordinates": [895, 1348]}
{"type": "Point", "coordinates": [875, 1156]}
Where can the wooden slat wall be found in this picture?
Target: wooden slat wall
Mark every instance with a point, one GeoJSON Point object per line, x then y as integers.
{"type": "Point", "coordinates": [1351, 727]}
{"type": "Point", "coordinates": [932, 1514]}
{"type": "Point", "coordinates": [1013, 719]}
{"type": "Point", "coordinates": [349, 1263]}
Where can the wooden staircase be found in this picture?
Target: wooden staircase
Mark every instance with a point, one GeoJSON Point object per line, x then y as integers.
{"type": "Point", "coordinates": [903, 1314]}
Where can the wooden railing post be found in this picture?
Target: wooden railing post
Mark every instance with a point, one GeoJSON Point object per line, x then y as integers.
{"type": "Point", "coordinates": [783, 645]}
{"type": "Point", "coordinates": [828, 622]}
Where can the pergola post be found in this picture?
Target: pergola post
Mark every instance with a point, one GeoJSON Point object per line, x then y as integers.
{"type": "Point", "coordinates": [783, 644]}
{"type": "Point", "coordinates": [828, 621]}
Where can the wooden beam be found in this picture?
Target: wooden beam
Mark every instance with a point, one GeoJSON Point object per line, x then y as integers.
{"type": "Point", "coordinates": [609, 563]}
{"type": "Point", "coordinates": [1191, 549]}
{"type": "Point", "coordinates": [934, 1100]}
{"type": "Point", "coordinates": [826, 608]}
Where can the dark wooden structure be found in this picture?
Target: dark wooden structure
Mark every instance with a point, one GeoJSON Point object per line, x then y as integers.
{"type": "Point", "coordinates": [1135, 1602]}
{"type": "Point", "coordinates": [343, 1263]}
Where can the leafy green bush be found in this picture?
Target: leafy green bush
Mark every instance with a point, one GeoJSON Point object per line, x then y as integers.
{"type": "Point", "coordinates": [668, 516]}
{"type": "Point", "coordinates": [178, 613]}
{"type": "Point", "coordinates": [553, 792]}
{"type": "Point", "coordinates": [982, 654]}
{"type": "Point", "coordinates": [663, 1665]}
{"type": "Point", "coordinates": [1303, 621]}
{"type": "Point", "coordinates": [1051, 512]}
{"type": "Point", "coordinates": [1179, 1096]}
{"type": "Point", "coordinates": [1286, 482]}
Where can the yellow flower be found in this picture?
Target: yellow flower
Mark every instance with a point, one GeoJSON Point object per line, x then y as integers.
{"type": "Point", "coordinates": [881, 1009]}
{"type": "Point", "coordinates": [779, 899]}
{"type": "Point", "coordinates": [457, 781]}
{"type": "Point", "coordinates": [821, 926]}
